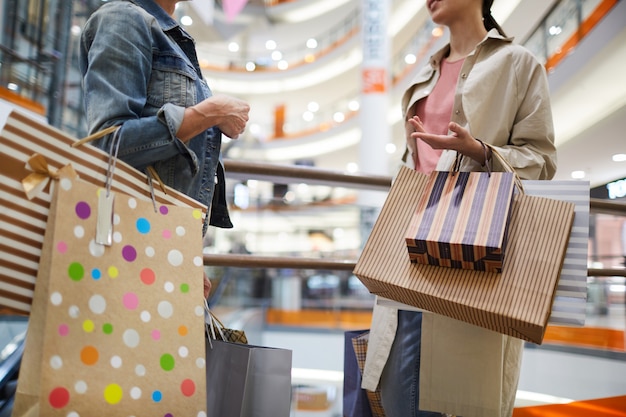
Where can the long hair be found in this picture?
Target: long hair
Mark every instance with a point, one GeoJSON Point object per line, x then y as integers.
{"type": "Point", "coordinates": [488, 20]}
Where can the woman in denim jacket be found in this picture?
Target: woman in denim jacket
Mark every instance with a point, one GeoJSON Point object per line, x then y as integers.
{"type": "Point", "coordinates": [140, 71]}
{"type": "Point", "coordinates": [479, 87]}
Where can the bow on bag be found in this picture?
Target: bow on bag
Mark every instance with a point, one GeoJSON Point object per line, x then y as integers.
{"type": "Point", "coordinates": [34, 183]}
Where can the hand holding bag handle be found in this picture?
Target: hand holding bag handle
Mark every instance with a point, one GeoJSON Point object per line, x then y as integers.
{"type": "Point", "coordinates": [503, 162]}
{"type": "Point", "coordinates": [225, 334]}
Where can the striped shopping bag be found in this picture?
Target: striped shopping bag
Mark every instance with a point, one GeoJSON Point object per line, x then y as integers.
{"type": "Point", "coordinates": [461, 220]}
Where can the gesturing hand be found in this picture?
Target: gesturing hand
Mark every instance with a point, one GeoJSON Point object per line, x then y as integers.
{"type": "Point", "coordinates": [459, 139]}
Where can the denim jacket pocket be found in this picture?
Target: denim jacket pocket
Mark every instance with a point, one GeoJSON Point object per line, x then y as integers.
{"type": "Point", "coordinates": [172, 80]}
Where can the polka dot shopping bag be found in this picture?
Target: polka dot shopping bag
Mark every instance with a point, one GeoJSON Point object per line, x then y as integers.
{"type": "Point", "coordinates": [116, 329]}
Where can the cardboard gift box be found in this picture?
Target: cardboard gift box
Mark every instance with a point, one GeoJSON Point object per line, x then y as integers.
{"type": "Point", "coordinates": [461, 220]}
{"type": "Point", "coordinates": [516, 302]}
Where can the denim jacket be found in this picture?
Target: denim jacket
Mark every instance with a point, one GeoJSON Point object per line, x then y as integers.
{"type": "Point", "coordinates": [140, 71]}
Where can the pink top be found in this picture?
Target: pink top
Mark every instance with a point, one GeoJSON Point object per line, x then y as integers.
{"type": "Point", "coordinates": [435, 111]}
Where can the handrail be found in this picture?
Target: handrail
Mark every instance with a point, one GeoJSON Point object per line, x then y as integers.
{"type": "Point", "coordinates": [280, 262]}
{"type": "Point", "coordinates": [598, 205]}
{"type": "Point", "coordinates": [286, 173]}
{"type": "Point", "coordinates": [284, 262]}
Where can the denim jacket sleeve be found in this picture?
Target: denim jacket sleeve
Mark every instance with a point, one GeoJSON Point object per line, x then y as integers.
{"type": "Point", "coordinates": [123, 85]}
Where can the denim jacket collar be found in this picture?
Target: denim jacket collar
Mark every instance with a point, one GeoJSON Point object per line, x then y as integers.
{"type": "Point", "coordinates": [165, 21]}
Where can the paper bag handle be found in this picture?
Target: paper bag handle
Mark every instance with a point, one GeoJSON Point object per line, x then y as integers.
{"type": "Point", "coordinates": [212, 323]}
{"type": "Point", "coordinates": [494, 153]}
{"type": "Point", "coordinates": [506, 165]}
{"type": "Point", "coordinates": [151, 173]}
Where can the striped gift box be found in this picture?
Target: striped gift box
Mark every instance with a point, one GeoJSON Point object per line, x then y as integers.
{"type": "Point", "coordinates": [461, 220]}
{"type": "Point", "coordinates": [23, 221]}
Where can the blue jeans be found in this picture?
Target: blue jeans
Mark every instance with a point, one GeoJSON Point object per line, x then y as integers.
{"type": "Point", "coordinates": [400, 378]}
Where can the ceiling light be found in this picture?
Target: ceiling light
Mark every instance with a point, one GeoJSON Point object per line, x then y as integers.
{"type": "Point", "coordinates": [390, 148]}
{"type": "Point", "coordinates": [410, 59]}
{"type": "Point", "coordinates": [255, 128]}
{"type": "Point", "coordinates": [352, 167]}
{"type": "Point", "coordinates": [270, 45]}
{"type": "Point", "coordinates": [186, 21]}
{"type": "Point", "coordinates": [619, 157]}
{"type": "Point", "coordinates": [277, 55]}
{"type": "Point", "coordinates": [311, 43]}
{"type": "Point", "coordinates": [339, 117]}
{"type": "Point", "coordinates": [555, 30]}
{"type": "Point", "coordinates": [354, 105]}
{"type": "Point", "coordinates": [283, 65]}
{"type": "Point", "coordinates": [309, 58]}
{"type": "Point", "coordinates": [250, 66]}
{"type": "Point", "coordinates": [578, 175]}
{"type": "Point", "coordinates": [308, 116]}
{"type": "Point", "coordinates": [313, 106]}
{"type": "Point", "coordinates": [233, 47]}
{"type": "Point", "coordinates": [75, 30]}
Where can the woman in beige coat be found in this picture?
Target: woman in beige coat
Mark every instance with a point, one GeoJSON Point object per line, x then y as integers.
{"type": "Point", "coordinates": [480, 88]}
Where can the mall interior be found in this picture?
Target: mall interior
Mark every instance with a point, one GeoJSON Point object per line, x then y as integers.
{"type": "Point", "coordinates": [307, 179]}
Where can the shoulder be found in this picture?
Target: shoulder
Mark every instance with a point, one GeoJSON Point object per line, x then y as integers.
{"type": "Point", "coordinates": [120, 13]}
{"type": "Point", "coordinates": [515, 53]}
{"type": "Point", "coordinates": [119, 19]}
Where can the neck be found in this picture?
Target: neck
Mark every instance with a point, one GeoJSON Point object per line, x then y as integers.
{"type": "Point", "coordinates": [464, 36]}
{"type": "Point", "coordinates": [168, 5]}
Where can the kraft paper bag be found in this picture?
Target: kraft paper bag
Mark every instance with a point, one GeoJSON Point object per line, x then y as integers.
{"type": "Point", "coordinates": [247, 380]}
{"type": "Point", "coordinates": [516, 302]}
{"type": "Point", "coordinates": [23, 220]}
{"type": "Point", "coordinates": [116, 330]}
{"type": "Point", "coordinates": [467, 370]}
{"type": "Point", "coordinates": [461, 220]}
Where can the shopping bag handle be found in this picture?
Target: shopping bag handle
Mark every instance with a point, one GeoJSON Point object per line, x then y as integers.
{"type": "Point", "coordinates": [96, 135]}
{"type": "Point", "coordinates": [506, 165]}
{"type": "Point", "coordinates": [213, 322]}
{"type": "Point", "coordinates": [494, 154]}
{"type": "Point", "coordinates": [151, 173]}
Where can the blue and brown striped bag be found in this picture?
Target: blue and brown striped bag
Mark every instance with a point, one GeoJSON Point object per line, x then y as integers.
{"type": "Point", "coordinates": [461, 220]}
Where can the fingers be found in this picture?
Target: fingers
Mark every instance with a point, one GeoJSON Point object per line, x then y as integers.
{"type": "Point", "coordinates": [207, 286]}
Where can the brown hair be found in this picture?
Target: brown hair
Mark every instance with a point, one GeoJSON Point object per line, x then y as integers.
{"type": "Point", "coordinates": [488, 20]}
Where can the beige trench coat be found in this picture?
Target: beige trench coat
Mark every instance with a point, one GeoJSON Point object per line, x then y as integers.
{"type": "Point", "coordinates": [502, 97]}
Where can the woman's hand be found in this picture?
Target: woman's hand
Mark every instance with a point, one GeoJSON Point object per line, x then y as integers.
{"type": "Point", "coordinates": [229, 114]}
{"type": "Point", "coordinates": [207, 286]}
{"type": "Point", "coordinates": [235, 115]}
{"type": "Point", "coordinates": [459, 140]}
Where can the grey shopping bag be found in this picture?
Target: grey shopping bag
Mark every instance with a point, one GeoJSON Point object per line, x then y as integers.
{"type": "Point", "coordinates": [247, 380]}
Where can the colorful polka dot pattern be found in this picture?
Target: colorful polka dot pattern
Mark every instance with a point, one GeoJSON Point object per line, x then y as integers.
{"type": "Point", "coordinates": [125, 323]}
